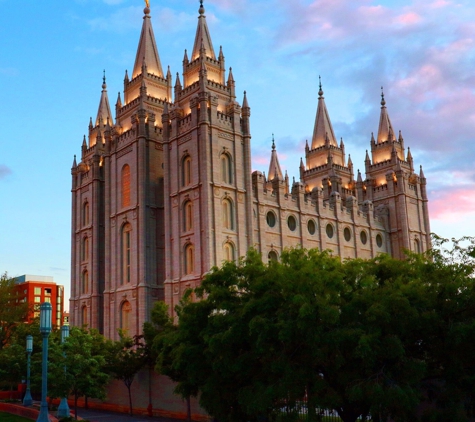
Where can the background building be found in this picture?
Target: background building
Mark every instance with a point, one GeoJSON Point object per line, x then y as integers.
{"type": "Point", "coordinates": [164, 191]}
{"type": "Point", "coordinates": [36, 289]}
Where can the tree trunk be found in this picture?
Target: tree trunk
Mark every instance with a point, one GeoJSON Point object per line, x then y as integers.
{"type": "Point", "coordinates": [130, 398]}
{"type": "Point", "coordinates": [76, 406]}
{"type": "Point", "coordinates": [188, 409]}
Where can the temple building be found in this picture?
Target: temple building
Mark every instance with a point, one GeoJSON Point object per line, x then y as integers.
{"type": "Point", "coordinates": [164, 190]}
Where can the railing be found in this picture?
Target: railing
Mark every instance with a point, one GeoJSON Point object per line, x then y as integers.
{"type": "Point", "coordinates": [300, 413]}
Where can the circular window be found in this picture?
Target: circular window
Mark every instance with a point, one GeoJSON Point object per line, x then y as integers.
{"type": "Point", "coordinates": [292, 223]}
{"type": "Point", "coordinates": [329, 230]}
{"type": "Point", "coordinates": [312, 228]}
{"type": "Point", "coordinates": [379, 240]}
{"type": "Point", "coordinates": [363, 237]}
{"type": "Point", "coordinates": [347, 234]}
{"type": "Point", "coordinates": [270, 219]}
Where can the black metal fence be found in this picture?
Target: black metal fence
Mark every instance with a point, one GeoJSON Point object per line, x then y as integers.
{"type": "Point", "coordinates": [300, 413]}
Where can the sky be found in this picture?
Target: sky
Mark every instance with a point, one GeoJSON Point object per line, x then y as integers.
{"type": "Point", "coordinates": [53, 55]}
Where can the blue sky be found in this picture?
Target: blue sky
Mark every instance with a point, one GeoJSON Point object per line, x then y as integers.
{"type": "Point", "coordinates": [53, 55]}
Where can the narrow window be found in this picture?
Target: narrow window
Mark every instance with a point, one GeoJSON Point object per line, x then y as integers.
{"type": "Point", "coordinates": [84, 316]}
{"type": "Point", "coordinates": [126, 252]}
{"type": "Point", "coordinates": [189, 259]}
{"type": "Point", "coordinates": [417, 246]}
{"type": "Point", "coordinates": [125, 312]}
{"type": "Point", "coordinates": [226, 169]}
{"type": "Point", "coordinates": [85, 281]}
{"type": "Point", "coordinates": [228, 215]}
{"type": "Point", "coordinates": [229, 252]}
{"type": "Point", "coordinates": [125, 184]}
{"type": "Point", "coordinates": [85, 249]}
{"type": "Point", "coordinates": [188, 216]}
{"type": "Point", "coordinates": [186, 176]}
{"type": "Point", "coordinates": [85, 214]}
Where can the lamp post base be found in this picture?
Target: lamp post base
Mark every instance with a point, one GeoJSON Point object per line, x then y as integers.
{"type": "Point", "coordinates": [27, 400]}
{"type": "Point", "coordinates": [63, 409]}
{"type": "Point", "coordinates": [44, 415]}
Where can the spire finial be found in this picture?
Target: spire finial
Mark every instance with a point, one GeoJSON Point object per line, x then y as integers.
{"type": "Point", "coordinates": [383, 102]}
{"type": "Point", "coordinates": [273, 143]}
{"type": "Point", "coordinates": [104, 86]}
{"type": "Point", "coordinates": [320, 91]}
{"type": "Point", "coordinates": [147, 7]}
{"type": "Point", "coordinates": [201, 10]}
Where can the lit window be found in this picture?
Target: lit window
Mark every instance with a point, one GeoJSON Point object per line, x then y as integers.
{"type": "Point", "coordinates": [228, 215]}
{"type": "Point", "coordinates": [125, 184]}
{"type": "Point", "coordinates": [186, 176]}
{"type": "Point", "coordinates": [189, 259]}
{"type": "Point", "coordinates": [48, 299]}
{"type": "Point", "coordinates": [85, 281]}
{"type": "Point", "coordinates": [37, 291]}
{"type": "Point", "coordinates": [226, 169]}
{"type": "Point", "coordinates": [37, 299]}
{"type": "Point", "coordinates": [125, 312]}
{"type": "Point", "coordinates": [188, 216]}
{"type": "Point", "coordinates": [126, 252]}
{"type": "Point", "coordinates": [48, 292]}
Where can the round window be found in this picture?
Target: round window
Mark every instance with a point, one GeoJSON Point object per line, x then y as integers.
{"type": "Point", "coordinates": [311, 227]}
{"type": "Point", "coordinates": [363, 237]}
{"type": "Point", "coordinates": [270, 219]}
{"type": "Point", "coordinates": [292, 223]}
{"type": "Point", "coordinates": [347, 234]}
{"type": "Point", "coordinates": [379, 240]}
{"type": "Point", "coordinates": [329, 230]}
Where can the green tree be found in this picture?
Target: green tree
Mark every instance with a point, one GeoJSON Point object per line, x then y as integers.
{"type": "Point", "coordinates": [128, 358]}
{"type": "Point", "coordinates": [85, 354]}
{"type": "Point", "coordinates": [360, 336]}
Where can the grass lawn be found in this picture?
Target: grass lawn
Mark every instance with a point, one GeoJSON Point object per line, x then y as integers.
{"type": "Point", "coordinates": [8, 417]}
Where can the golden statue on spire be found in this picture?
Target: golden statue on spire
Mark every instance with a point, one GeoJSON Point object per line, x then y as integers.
{"type": "Point", "coordinates": [147, 3]}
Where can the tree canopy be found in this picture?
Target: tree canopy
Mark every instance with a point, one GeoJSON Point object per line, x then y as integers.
{"type": "Point", "coordinates": [363, 337]}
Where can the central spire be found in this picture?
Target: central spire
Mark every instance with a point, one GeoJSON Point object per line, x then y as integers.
{"type": "Point", "coordinates": [202, 38]}
{"type": "Point", "coordinates": [323, 130]}
{"type": "Point", "coordinates": [147, 52]}
{"type": "Point", "coordinates": [385, 131]}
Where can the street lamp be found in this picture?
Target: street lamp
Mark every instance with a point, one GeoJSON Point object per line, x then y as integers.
{"type": "Point", "coordinates": [27, 400]}
{"type": "Point", "coordinates": [45, 329]}
{"type": "Point", "coordinates": [63, 408]}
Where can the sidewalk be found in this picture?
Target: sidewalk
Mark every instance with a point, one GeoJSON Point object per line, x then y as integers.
{"type": "Point", "coordinates": [104, 416]}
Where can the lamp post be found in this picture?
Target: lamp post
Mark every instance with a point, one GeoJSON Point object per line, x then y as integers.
{"type": "Point", "coordinates": [45, 329]}
{"type": "Point", "coordinates": [63, 408]}
{"type": "Point", "coordinates": [27, 400]}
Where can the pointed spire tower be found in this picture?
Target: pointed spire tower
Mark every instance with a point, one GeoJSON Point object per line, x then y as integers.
{"type": "Point", "coordinates": [104, 115]}
{"type": "Point", "coordinates": [202, 37]}
{"type": "Point", "coordinates": [325, 155]}
{"type": "Point", "coordinates": [385, 131]}
{"type": "Point", "coordinates": [275, 172]}
{"type": "Point", "coordinates": [147, 80]}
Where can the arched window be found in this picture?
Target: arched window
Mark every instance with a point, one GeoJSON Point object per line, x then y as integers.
{"type": "Point", "coordinates": [125, 312]}
{"type": "Point", "coordinates": [226, 169]}
{"type": "Point", "coordinates": [272, 256]}
{"type": "Point", "coordinates": [85, 214]}
{"type": "Point", "coordinates": [229, 254]}
{"type": "Point", "coordinates": [189, 259]}
{"type": "Point", "coordinates": [125, 185]}
{"type": "Point", "coordinates": [188, 216]}
{"type": "Point", "coordinates": [228, 214]}
{"type": "Point", "coordinates": [85, 249]}
{"type": "Point", "coordinates": [417, 246]}
{"type": "Point", "coordinates": [85, 281]}
{"type": "Point", "coordinates": [84, 316]}
{"type": "Point", "coordinates": [186, 170]}
{"type": "Point", "coordinates": [126, 252]}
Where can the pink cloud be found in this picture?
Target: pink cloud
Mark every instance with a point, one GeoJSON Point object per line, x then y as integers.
{"type": "Point", "coordinates": [451, 204]}
{"type": "Point", "coordinates": [409, 18]}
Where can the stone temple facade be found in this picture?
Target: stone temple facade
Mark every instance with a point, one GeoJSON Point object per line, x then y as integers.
{"type": "Point", "coordinates": [165, 191]}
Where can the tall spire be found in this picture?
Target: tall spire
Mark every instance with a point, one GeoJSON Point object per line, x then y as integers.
{"type": "Point", "coordinates": [104, 111]}
{"type": "Point", "coordinates": [323, 127]}
{"type": "Point", "coordinates": [202, 38]}
{"type": "Point", "coordinates": [274, 167]}
{"type": "Point", "coordinates": [147, 50]}
{"type": "Point", "coordinates": [385, 130]}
